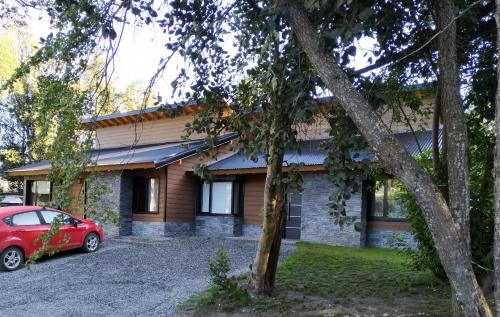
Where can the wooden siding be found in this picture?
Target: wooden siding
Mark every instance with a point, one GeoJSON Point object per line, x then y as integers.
{"type": "Point", "coordinates": [77, 198]}
{"type": "Point", "coordinates": [148, 132]}
{"type": "Point", "coordinates": [183, 188]}
{"type": "Point", "coordinates": [253, 198]}
{"type": "Point", "coordinates": [77, 192]}
{"type": "Point", "coordinates": [319, 129]}
{"type": "Point", "coordinates": [152, 173]}
{"type": "Point", "coordinates": [417, 121]}
{"type": "Point", "coordinates": [389, 225]}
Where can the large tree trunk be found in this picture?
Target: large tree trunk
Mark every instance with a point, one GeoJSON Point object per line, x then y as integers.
{"type": "Point", "coordinates": [497, 171]}
{"type": "Point", "coordinates": [454, 122]}
{"type": "Point", "coordinates": [263, 273]}
{"type": "Point", "coordinates": [439, 156]}
{"type": "Point", "coordinates": [453, 118]}
{"type": "Point", "coordinates": [451, 247]}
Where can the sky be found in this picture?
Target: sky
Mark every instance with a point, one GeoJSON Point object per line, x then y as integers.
{"type": "Point", "coordinates": [141, 49]}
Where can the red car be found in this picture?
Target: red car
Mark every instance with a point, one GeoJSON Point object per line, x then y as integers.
{"type": "Point", "coordinates": [20, 226]}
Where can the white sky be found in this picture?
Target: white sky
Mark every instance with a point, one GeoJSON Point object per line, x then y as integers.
{"type": "Point", "coordinates": [142, 48]}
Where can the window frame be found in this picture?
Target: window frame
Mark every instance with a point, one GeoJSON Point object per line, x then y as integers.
{"type": "Point", "coordinates": [134, 212]}
{"type": "Point", "coordinates": [236, 189]}
{"type": "Point", "coordinates": [28, 199]}
{"type": "Point", "coordinates": [371, 205]}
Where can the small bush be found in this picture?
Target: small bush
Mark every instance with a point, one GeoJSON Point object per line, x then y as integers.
{"type": "Point", "coordinates": [219, 268]}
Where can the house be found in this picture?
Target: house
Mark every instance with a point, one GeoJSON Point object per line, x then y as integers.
{"type": "Point", "coordinates": [140, 156]}
{"type": "Point", "coordinates": [4, 184]}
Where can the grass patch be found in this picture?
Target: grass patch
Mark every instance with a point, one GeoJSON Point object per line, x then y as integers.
{"type": "Point", "coordinates": [343, 272]}
{"type": "Point", "coordinates": [340, 280]}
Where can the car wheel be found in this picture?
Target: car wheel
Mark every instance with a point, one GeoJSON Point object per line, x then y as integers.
{"type": "Point", "coordinates": [12, 258]}
{"type": "Point", "coordinates": [91, 242]}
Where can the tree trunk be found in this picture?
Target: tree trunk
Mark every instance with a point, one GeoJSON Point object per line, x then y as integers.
{"type": "Point", "coordinates": [452, 249]}
{"type": "Point", "coordinates": [454, 122]}
{"type": "Point", "coordinates": [439, 157]}
{"type": "Point", "coordinates": [497, 172]}
{"type": "Point", "coordinates": [266, 260]}
{"type": "Point", "coordinates": [453, 118]}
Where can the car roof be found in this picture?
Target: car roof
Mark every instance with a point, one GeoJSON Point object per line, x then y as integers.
{"type": "Point", "coordinates": [7, 211]}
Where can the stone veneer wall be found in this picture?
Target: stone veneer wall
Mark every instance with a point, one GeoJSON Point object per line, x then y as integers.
{"type": "Point", "coordinates": [251, 231]}
{"type": "Point", "coordinates": [218, 226]}
{"type": "Point", "coordinates": [179, 229]}
{"type": "Point", "coordinates": [148, 229]}
{"type": "Point", "coordinates": [126, 197]}
{"type": "Point", "coordinates": [387, 239]}
{"type": "Point", "coordinates": [112, 181]}
{"type": "Point", "coordinates": [317, 223]}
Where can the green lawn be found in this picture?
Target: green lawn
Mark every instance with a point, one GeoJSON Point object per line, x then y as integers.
{"type": "Point", "coordinates": [320, 280]}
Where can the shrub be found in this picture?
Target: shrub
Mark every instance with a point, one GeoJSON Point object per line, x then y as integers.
{"type": "Point", "coordinates": [425, 257]}
{"type": "Point", "coordinates": [219, 268]}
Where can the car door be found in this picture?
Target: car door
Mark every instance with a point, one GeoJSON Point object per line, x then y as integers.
{"type": "Point", "coordinates": [28, 227]}
{"type": "Point", "coordinates": [67, 238]}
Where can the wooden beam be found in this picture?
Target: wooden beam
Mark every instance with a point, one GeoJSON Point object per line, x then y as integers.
{"type": "Point", "coordinates": [27, 173]}
{"type": "Point", "coordinates": [262, 170]}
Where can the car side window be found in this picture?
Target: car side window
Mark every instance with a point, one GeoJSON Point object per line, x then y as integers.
{"type": "Point", "coordinates": [8, 221]}
{"type": "Point", "coordinates": [49, 216]}
{"type": "Point", "coordinates": [29, 218]}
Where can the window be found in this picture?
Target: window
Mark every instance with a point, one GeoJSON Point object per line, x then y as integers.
{"type": "Point", "coordinates": [26, 219]}
{"type": "Point", "coordinates": [49, 215]}
{"type": "Point", "coordinates": [145, 195]}
{"type": "Point", "coordinates": [38, 193]}
{"type": "Point", "coordinates": [385, 202]}
{"type": "Point", "coordinates": [221, 198]}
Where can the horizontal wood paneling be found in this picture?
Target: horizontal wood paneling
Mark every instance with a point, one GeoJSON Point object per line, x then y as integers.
{"type": "Point", "coordinates": [182, 188]}
{"type": "Point", "coordinates": [417, 120]}
{"type": "Point", "coordinates": [389, 225]}
{"type": "Point", "coordinates": [148, 132]}
{"type": "Point", "coordinates": [77, 192]}
{"type": "Point", "coordinates": [319, 129]}
{"type": "Point", "coordinates": [253, 199]}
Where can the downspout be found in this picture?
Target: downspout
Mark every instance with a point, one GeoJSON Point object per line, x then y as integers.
{"type": "Point", "coordinates": [165, 195]}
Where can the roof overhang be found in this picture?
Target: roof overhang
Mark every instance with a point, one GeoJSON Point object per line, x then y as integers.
{"type": "Point", "coordinates": [102, 168]}
{"type": "Point", "coordinates": [129, 158]}
{"type": "Point", "coordinates": [143, 115]}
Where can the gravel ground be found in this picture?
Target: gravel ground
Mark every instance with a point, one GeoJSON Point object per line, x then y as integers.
{"type": "Point", "coordinates": [126, 277]}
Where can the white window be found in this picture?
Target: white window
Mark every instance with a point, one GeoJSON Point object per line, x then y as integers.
{"type": "Point", "coordinates": [205, 205]}
{"type": "Point", "coordinates": [146, 192]}
{"type": "Point", "coordinates": [220, 198]}
{"type": "Point", "coordinates": [38, 193]}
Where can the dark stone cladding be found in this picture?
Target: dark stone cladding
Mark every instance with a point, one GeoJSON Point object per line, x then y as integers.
{"type": "Point", "coordinates": [179, 229]}
{"type": "Point", "coordinates": [219, 226]}
{"type": "Point", "coordinates": [391, 239]}
{"type": "Point", "coordinates": [251, 231]}
{"type": "Point", "coordinates": [317, 224]}
{"type": "Point", "coordinates": [126, 196]}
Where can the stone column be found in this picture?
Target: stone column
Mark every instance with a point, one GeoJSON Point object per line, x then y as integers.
{"type": "Point", "coordinates": [125, 205]}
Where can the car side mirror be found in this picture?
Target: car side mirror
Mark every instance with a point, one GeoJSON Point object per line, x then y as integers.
{"type": "Point", "coordinates": [75, 223]}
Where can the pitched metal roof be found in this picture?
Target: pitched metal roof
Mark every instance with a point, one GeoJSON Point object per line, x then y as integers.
{"type": "Point", "coordinates": [311, 154]}
{"type": "Point", "coordinates": [158, 154]}
{"type": "Point", "coordinates": [140, 112]}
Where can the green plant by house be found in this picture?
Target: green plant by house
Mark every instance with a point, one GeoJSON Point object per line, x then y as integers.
{"type": "Point", "coordinates": [219, 269]}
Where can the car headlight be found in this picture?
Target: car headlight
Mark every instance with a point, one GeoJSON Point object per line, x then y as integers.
{"type": "Point", "coordinates": [97, 223]}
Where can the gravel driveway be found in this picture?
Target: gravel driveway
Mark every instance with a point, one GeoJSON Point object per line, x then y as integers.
{"type": "Point", "coordinates": [126, 277]}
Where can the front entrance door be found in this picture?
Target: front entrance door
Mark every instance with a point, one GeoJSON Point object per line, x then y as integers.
{"type": "Point", "coordinates": [293, 216]}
